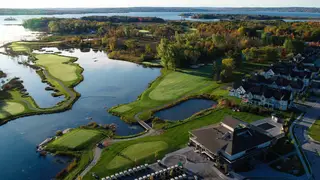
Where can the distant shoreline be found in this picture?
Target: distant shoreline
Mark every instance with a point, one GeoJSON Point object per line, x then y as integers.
{"type": "Point", "coordinates": [52, 11]}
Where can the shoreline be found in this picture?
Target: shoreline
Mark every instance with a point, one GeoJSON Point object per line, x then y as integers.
{"type": "Point", "coordinates": [71, 95]}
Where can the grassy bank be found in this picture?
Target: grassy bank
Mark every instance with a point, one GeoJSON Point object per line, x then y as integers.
{"type": "Point", "coordinates": [77, 139]}
{"type": "Point", "coordinates": [78, 143]}
{"type": "Point", "coordinates": [168, 88]}
{"type": "Point", "coordinates": [59, 71]}
{"type": "Point", "coordinates": [175, 138]}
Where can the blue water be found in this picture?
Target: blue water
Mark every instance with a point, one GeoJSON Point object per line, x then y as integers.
{"type": "Point", "coordinates": [185, 109]}
{"type": "Point", "coordinates": [31, 80]}
{"type": "Point", "coordinates": [106, 84]}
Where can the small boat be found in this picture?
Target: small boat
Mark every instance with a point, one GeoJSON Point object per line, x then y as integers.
{"type": "Point", "coordinates": [89, 118]}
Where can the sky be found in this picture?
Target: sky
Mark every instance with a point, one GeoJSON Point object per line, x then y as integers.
{"type": "Point", "coordinates": [154, 3]}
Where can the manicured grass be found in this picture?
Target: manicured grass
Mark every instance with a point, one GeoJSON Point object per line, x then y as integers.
{"type": "Point", "coordinates": [18, 47]}
{"type": "Point", "coordinates": [144, 31]}
{"type": "Point", "coordinates": [75, 138]}
{"type": "Point", "coordinates": [176, 137]}
{"type": "Point", "coordinates": [137, 152]}
{"type": "Point", "coordinates": [62, 74]}
{"type": "Point", "coordinates": [142, 150]}
{"type": "Point", "coordinates": [168, 88]}
{"type": "Point", "coordinates": [123, 108]}
{"type": "Point", "coordinates": [10, 108]}
{"type": "Point", "coordinates": [26, 47]}
{"type": "Point", "coordinates": [177, 84]}
{"type": "Point", "coordinates": [314, 131]}
{"type": "Point", "coordinates": [13, 104]}
{"type": "Point", "coordinates": [58, 66]}
{"type": "Point", "coordinates": [118, 162]}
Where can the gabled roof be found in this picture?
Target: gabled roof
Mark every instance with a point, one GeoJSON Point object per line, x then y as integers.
{"type": "Point", "coordinates": [219, 138]}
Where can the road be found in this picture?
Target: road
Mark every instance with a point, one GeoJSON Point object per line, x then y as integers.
{"type": "Point", "coordinates": [308, 146]}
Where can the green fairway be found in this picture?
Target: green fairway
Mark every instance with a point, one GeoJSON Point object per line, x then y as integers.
{"type": "Point", "coordinates": [58, 66]}
{"type": "Point", "coordinates": [142, 150]}
{"type": "Point", "coordinates": [118, 162]}
{"type": "Point", "coordinates": [172, 139]}
{"type": "Point", "coordinates": [75, 138]}
{"type": "Point", "coordinates": [168, 88]}
{"type": "Point", "coordinates": [314, 131]}
{"type": "Point", "coordinates": [25, 47]}
{"type": "Point", "coordinates": [137, 152]}
{"type": "Point", "coordinates": [177, 84]}
{"type": "Point", "coordinates": [10, 108]}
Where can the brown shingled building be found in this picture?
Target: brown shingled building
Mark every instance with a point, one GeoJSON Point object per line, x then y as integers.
{"type": "Point", "coordinates": [232, 142]}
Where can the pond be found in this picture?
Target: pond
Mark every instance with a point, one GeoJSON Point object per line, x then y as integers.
{"type": "Point", "coordinates": [185, 109]}
{"type": "Point", "coordinates": [106, 83]}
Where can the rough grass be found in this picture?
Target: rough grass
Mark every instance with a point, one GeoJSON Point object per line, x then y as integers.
{"type": "Point", "coordinates": [10, 108]}
{"type": "Point", "coordinates": [314, 131]}
{"type": "Point", "coordinates": [58, 66]}
{"type": "Point", "coordinates": [176, 137]}
{"type": "Point", "coordinates": [75, 138]}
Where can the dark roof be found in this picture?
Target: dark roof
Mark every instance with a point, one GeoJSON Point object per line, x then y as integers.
{"type": "Point", "coordinates": [216, 138]}
{"type": "Point", "coordinates": [267, 92]}
{"type": "Point", "coordinates": [232, 122]}
{"type": "Point", "coordinates": [279, 81]}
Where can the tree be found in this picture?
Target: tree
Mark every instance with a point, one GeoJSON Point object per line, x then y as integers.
{"type": "Point", "coordinates": [59, 133]}
{"type": "Point", "coordinates": [112, 43]}
{"type": "Point", "coordinates": [216, 70]}
{"type": "Point", "coordinates": [242, 31]}
{"type": "Point", "coordinates": [288, 45]}
{"type": "Point", "coordinates": [162, 51]}
{"type": "Point", "coordinates": [131, 44]}
{"type": "Point", "coordinates": [148, 49]}
{"type": "Point", "coordinates": [294, 46]}
{"type": "Point", "coordinates": [228, 63]}
{"type": "Point", "coordinates": [53, 26]}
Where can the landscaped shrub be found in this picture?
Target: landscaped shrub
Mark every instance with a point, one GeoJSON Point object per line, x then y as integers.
{"type": "Point", "coordinates": [59, 133]}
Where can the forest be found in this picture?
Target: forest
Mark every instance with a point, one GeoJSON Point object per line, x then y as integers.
{"type": "Point", "coordinates": [181, 44]}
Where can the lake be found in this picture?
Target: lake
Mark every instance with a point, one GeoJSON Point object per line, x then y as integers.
{"type": "Point", "coordinates": [106, 84]}
{"type": "Point", "coordinates": [185, 109]}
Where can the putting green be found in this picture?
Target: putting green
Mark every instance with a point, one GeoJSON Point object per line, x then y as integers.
{"type": "Point", "coordinates": [57, 66]}
{"type": "Point", "coordinates": [11, 108]}
{"type": "Point", "coordinates": [18, 47]}
{"type": "Point", "coordinates": [75, 138]}
{"type": "Point", "coordinates": [137, 152]}
{"type": "Point", "coordinates": [177, 84]}
{"type": "Point", "coordinates": [144, 31]}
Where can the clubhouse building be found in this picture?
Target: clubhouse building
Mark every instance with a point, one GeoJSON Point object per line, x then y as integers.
{"type": "Point", "coordinates": [233, 142]}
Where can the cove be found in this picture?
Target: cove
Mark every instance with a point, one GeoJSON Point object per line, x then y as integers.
{"type": "Point", "coordinates": [185, 109]}
{"type": "Point", "coordinates": [106, 83]}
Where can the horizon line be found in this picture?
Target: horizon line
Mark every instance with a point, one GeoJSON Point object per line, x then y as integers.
{"type": "Point", "coordinates": [213, 7]}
